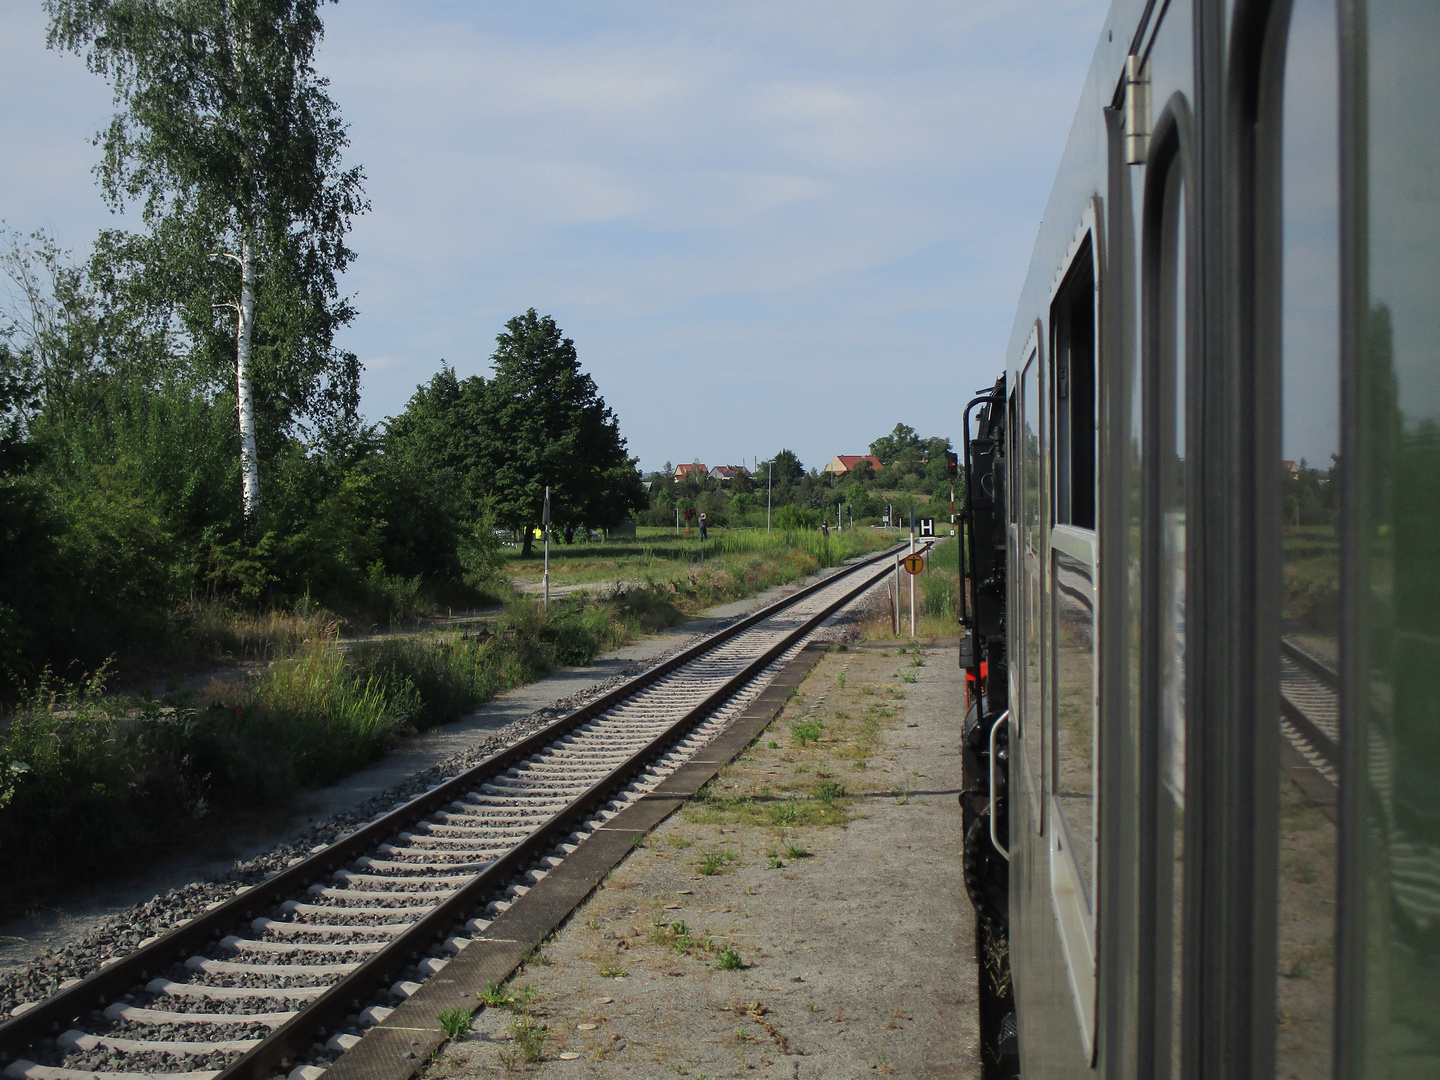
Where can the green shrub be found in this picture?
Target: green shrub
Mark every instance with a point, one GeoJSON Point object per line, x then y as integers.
{"type": "Point", "coordinates": [805, 732]}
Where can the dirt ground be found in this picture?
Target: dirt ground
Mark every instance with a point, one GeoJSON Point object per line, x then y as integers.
{"type": "Point", "coordinates": [803, 917]}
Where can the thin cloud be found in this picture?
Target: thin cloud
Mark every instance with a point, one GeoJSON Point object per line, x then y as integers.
{"type": "Point", "coordinates": [764, 224]}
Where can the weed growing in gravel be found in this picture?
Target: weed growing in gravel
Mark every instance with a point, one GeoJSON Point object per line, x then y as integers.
{"type": "Point", "coordinates": [523, 999]}
{"type": "Point", "coordinates": [996, 949]}
{"type": "Point", "coordinates": [840, 680]}
{"type": "Point", "coordinates": [537, 957]}
{"type": "Point", "coordinates": [613, 972]}
{"type": "Point", "coordinates": [773, 745]}
{"type": "Point", "coordinates": [805, 732]}
{"type": "Point", "coordinates": [773, 854]}
{"type": "Point", "coordinates": [907, 678]}
{"type": "Point", "coordinates": [918, 661]}
{"type": "Point", "coordinates": [715, 862]}
{"type": "Point", "coordinates": [496, 996]}
{"type": "Point", "coordinates": [455, 1022]}
{"type": "Point", "coordinates": [795, 851]}
{"type": "Point", "coordinates": [784, 813]}
{"type": "Point", "coordinates": [829, 791]}
{"type": "Point", "coordinates": [729, 959]}
{"type": "Point", "coordinates": [529, 1038]}
{"type": "Point", "coordinates": [677, 937]}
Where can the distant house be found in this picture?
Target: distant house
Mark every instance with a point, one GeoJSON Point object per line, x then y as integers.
{"type": "Point", "coordinates": [843, 463]}
{"type": "Point", "coordinates": [693, 468]}
{"type": "Point", "coordinates": [728, 472]}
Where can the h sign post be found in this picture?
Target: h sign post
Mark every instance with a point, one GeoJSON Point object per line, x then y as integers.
{"type": "Point", "coordinates": [927, 526]}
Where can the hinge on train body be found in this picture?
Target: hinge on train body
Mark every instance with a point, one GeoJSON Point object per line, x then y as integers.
{"type": "Point", "coordinates": [1137, 111]}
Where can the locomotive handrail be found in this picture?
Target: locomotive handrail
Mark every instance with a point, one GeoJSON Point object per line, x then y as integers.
{"type": "Point", "coordinates": [1003, 718]}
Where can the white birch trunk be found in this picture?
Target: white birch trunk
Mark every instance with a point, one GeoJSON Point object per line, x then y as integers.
{"type": "Point", "coordinates": [245, 391]}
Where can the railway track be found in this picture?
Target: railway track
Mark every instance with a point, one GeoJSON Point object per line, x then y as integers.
{"type": "Point", "coordinates": [288, 974]}
{"type": "Point", "coordinates": [1310, 708]}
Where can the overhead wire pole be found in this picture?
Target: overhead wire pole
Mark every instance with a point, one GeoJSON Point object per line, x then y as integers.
{"type": "Point", "coordinates": [545, 525]}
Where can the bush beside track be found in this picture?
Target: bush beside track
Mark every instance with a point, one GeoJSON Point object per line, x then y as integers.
{"type": "Point", "coordinates": [93, 784]}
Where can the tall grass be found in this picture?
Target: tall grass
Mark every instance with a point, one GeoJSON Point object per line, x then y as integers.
{"type": "Point", "coordinates": [936, 599]}
{"type": "Point", "coordinates": [118, 780]}
{"type": "Point", "coordinates": [208, 629]}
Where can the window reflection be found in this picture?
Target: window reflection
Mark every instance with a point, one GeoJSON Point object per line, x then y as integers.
{"type": "Point", "coordinates": [1393, 911]}
{"type": "Point", "coordinates": [1030, 564]}
{"type": "Point", "coordinates": [1310, 592]}
{"type": "Point", "coordinates": [1075, 712]}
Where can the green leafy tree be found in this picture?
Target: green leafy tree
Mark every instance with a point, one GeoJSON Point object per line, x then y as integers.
{"type": "Point", "coordinates": [899, 443]}
{"type": "Point", "coordinates": [546, 425]}
{"type": "Point", "coordinates": [225, 135]}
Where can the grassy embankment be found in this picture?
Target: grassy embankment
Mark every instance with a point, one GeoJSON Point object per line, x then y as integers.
{"type": "Point", "coordinates": [123, 779]}
{"type": "Point", "coordinates": [1311, 579]}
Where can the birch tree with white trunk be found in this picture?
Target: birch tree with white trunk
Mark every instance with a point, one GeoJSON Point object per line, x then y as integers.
{"type": "Point", "coordinates": [226, 139]}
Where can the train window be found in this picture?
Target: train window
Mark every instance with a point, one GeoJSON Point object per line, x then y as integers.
{"type": "Point", "coordinates": [1309, 469]}
{"type": "Point", "coordinates": [1031, 546]}
{"type": "Point", "coordinates": [1072, 322]}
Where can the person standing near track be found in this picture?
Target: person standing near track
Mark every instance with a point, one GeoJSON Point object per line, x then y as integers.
{"type": "Point", "coordinates": [704, 533]}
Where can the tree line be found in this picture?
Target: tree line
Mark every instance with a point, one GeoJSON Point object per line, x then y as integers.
{"type": "Point", "coordinates": [177, 425]}
{"type": "Point", "coordinates": [914, 471]}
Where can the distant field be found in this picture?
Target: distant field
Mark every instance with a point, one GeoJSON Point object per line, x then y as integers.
{"type": "Point", "coordinates": [732, 563]}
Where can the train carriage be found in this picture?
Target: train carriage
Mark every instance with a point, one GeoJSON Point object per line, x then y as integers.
{"type": "Point", "coordinates": [1203, 556]}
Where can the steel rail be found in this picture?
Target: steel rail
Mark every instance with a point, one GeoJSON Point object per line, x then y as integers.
{"type": "Point", "coordinates": [1316, 738]}
{"type": "Point", "coordinates": [1311, 664]}
{"type": "Point", "coordinates": [287, 1042]}
{"type": "Point", "coordinates": [47, 1017]}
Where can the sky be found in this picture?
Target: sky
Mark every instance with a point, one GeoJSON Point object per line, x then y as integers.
{"type": "Point", "coordinates": [765, 224]}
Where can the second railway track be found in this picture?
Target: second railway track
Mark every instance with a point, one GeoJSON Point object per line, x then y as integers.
{"type": "Point", "coordinates": [255, 984]}
{"type": "Point", "coordinates": [1309, 708]}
